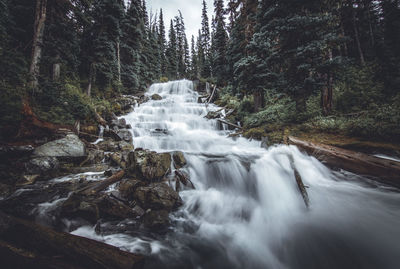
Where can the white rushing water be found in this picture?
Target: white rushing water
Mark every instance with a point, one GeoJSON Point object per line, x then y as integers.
{"type": "Point", "coordinates": [246, 210]}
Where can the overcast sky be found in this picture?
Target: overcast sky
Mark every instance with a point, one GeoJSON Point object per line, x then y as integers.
{"type": "Point", "coordinates": [191, 11]}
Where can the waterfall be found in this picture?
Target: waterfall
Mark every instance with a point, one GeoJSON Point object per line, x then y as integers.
{"type": "Point", "coordinates": [246, 210]}
{"type": "Point", "coordinates": [101, 135]}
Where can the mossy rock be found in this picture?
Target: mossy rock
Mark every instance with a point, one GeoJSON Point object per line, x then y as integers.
{"type": "Point", "coordinates": [156, 97]}
{"type": "Point", "coordinates": [149, 165]}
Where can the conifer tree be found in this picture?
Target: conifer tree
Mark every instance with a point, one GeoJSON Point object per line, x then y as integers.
{"type": "Point", "coordinates": [194, 69]}
{"type": "Point", "coordinates": [162, 43]}
{"type": "Point", "coordinates": [172, 67]}
{"type": "Point", "coordinates": [205, 43]}
{"type": "Point", "coordinates": [220, 39]}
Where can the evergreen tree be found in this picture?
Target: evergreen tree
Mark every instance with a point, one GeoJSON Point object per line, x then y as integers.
{"type": "Point", "coordinates": [132, 43]}
{"type": "Point", "coordinates": [205, 43]}
{"type": "Point", "coordinates": [172, 69]}
{"type": "Point", "coordinates": [219, 43]}
{"type": "Point", "coordinates": [194, 69]}
{"type": "Point", "coordinates": [106, 31]}
{"type": "Point", "coordinates": [162, 43]}
{"type": "Point", "coordinates": [181, 45]}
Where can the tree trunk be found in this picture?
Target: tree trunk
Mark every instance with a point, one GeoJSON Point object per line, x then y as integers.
{"type": "Point", "coordinates": [357, 38]}
{"type": "Point", "coordinates": [327, 91]}
{"type": "Point", "coordinates": [38, 30]}
{"type": "Point", "coordinates": [24, 244]}
{"type": "Point", "coordinates": [119, 62]}
{"type": "Point", "coordinates": [259, 101]}
{"type": "Point", "coordinates": [387, 171]}
{"type": "Point", "coordinates": [92, 76]}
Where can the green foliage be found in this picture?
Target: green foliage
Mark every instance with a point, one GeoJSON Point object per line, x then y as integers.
{"type": "Point", "coordinates": [62, 103]}
{"type": "Point", "coordinates": [10, 104]}
{"type": "Point", "coordinates": [357, 89]}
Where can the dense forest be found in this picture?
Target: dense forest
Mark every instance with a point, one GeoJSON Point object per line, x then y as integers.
{"type": "Point", "coordinates": [322, 65]}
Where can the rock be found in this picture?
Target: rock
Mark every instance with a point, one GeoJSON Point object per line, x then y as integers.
{"type": "Point", "coordinates": [179, 159]}
{"type": "Point", "coordinates": [156, 97]}
{"type": "Point", "coordinates": [44, 166]}
{"type": "Point", "coordinates": [158, 196]}
{"type": "Point", "coordinates": [125, 146]}
{"type": "Point", "coordinates": [94, 208]}
{"type": "Point", "coordinates": [128, 187]}
{"type": "Point", "coordinates": [125, 135]}
{"type": "Point", "coordinates": [95, 156]}
{"type": "Point", "coordinates": [68, 148]}
{"type": "Point", "coordinates": [113, 146]}
{"type": "Point", "coordinates": [78, 170]}
{"type": "Point", "coordinates": [108, 173]}
{"type": "Point", "coordinates": [119, 159]}
{"type": "Point", "coordinates": [148, 165]}
{"type": "Point", "coordinates": [156, 219]}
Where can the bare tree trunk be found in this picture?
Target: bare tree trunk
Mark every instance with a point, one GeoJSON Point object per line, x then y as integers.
{"type": "Point", "coordinates": [119, 63]}
{"type": "Point", "coordinates": [357, 37]}
{"type": "Point", "coordinates": [92, 76]}
{"type": "Point", "coordinates": [38, 30]}
{"type": "Point", "coordinates": [327, 91]}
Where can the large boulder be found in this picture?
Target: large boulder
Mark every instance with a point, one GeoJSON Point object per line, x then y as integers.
{"type": "Point", "coordinates": [128, 187]}
{"type": "Point", "coordinates": [125, 135]}
{"type": "Point", "coordinates": [148, 165]}
{"type": "Point", "coordinates": [68, 148]}
{"type": "Point", "coordinates": [158, 196]}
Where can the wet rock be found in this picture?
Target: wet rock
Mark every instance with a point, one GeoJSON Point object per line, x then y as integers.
{"type": "Point", "coordinates": [95, 156]}
{"type": "Point", "coordinates": [68, 148]}
{"type": "Point", "coordinates": [46, 167]}
{"type": "Point", "coordinates": [119, 159]}
{"type": "Point", "coordinates": [156, 97]}
{"type": "Point", "coordinates": [108, 173]}
{"type": "Point", "coordinates": [179, 159]}
{"type": "Point", "coordinates": [158, 196]}
{"type": "Point", "coordinates": [156, 219]}
{"type": "Point", "coordinates": [148, 165]}
{"type": "Point", "coordinates": [94, 208]}
{"type": "Point", "coordinates": [128, 187]}
{"type": "Point", "coordinates": [113, 146]}
{"type": "Point", "coordinates": [125, 135]}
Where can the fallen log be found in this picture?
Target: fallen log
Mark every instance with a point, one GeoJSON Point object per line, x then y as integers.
{"type": "Point", "coordinates": [103, 184]}
{"type": "Point", "coordinates": [384, 170]}
{"type": "Point", "coordinates": [230, 124]}
{"type": "Point", "coordinates": [300, 183]}
{"type": "Point", "coordinates": [99, 119]}
{"type": "Point", "coordinates": [24, 244]}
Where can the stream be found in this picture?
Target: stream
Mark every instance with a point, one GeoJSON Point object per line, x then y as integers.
{"type": "Point", "coordinates": [246, 210]}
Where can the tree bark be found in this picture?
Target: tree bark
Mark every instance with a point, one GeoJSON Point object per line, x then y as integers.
{"type": "Point", "coordinates": [259, 101]}
{"type": "Point", "coordinates": [387, 171]}
{"type": "Point", "coordinates": [357, 38]}
{"type": "Point", "coordinates": [104, 184]}
{"type": "Point", "coordinates": [38, 30]}
{"type": "Point", "coordinates": [119, 62]}
{"type": "Point", "coordinates": [327, 91]}
{"type": "Point", "coordinates": [92, 76]}
{"type": "Point", "coordinates": [24, 244]}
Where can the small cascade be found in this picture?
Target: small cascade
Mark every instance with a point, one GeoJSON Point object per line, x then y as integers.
{"type": "Point", "coordinates": [246, 210]}
{"type": "Point", "coordinates": [101, 135]}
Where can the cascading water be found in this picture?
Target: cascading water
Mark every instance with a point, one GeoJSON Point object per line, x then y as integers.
{"type": "Point", "coordinates": [246, 210]}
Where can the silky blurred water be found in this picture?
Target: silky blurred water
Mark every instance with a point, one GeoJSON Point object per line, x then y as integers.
{"type": "Point", "coordinates": [246, 210]}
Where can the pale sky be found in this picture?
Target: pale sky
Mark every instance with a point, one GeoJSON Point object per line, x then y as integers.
{"type": "Point", "coordinates": [191, 11]}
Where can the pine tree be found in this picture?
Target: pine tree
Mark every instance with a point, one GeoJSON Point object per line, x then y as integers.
{"type": "Point", "coordinates": [172, 69]}
{"type": "Point", "coordinates": [194, 69]}
{"type": "Point", "coordinates": [219, 43]}
{"type": "Point", "coordinates": [106, 30]}
{"type": "Point", "coordinates": [132, 43]}
{"type": "Point", "coordinates": [162, 43]}
{"type": "Point", "coordinates": [205, 43]}
{"type": "Point", "coordinates": [181, 45]}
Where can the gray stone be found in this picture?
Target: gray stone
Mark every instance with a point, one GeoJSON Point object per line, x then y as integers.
{"type": "Point", "coordinates": [158, 196]}
{"type": "Point", "coordinates": [69, 147]}
{"type": "Point", "coordinates": [42, 165]}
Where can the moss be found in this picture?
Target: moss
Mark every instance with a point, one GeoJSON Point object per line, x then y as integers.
{"type": "Point", "coordinates": [255, 133]}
